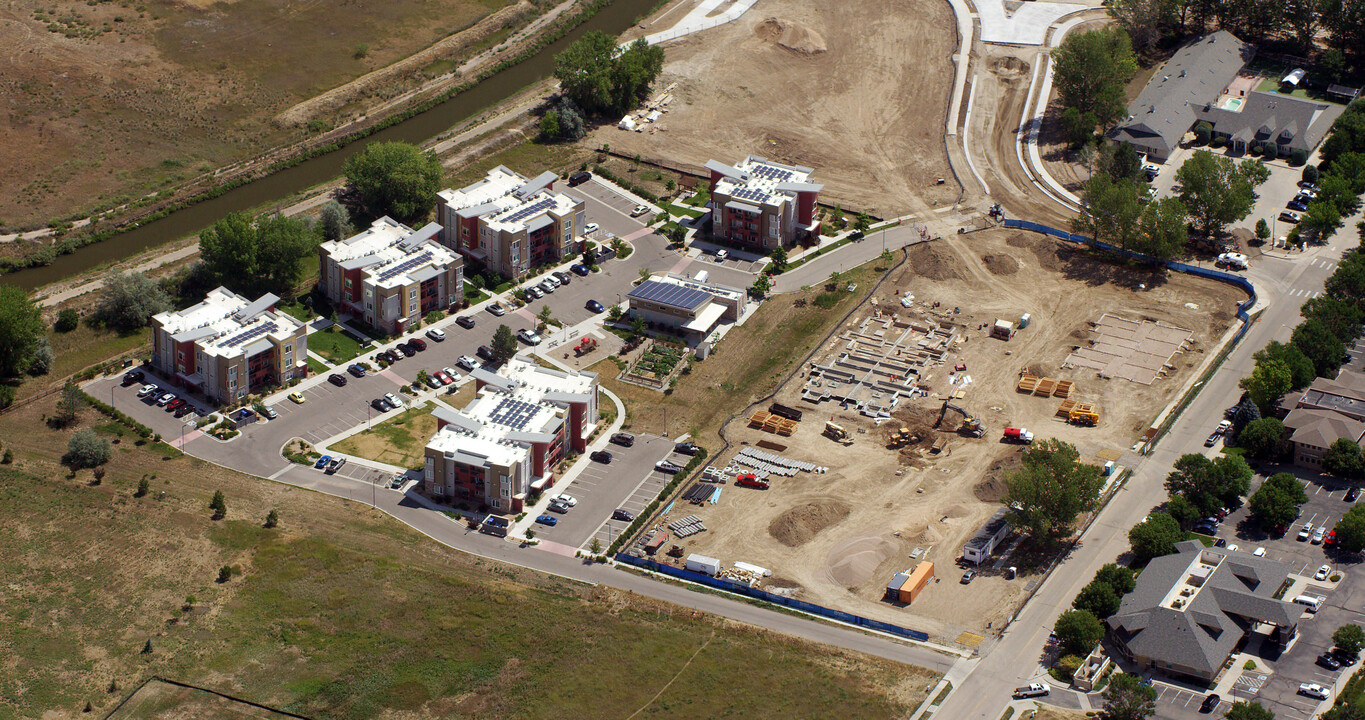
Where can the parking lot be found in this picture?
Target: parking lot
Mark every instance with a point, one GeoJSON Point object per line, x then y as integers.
{"type": "Point", "coordinates": [1177, 703]}
{"type": "Point", "coordinates": [1274, 193]}
{"type": "Point", "coordinates": [602, 488]}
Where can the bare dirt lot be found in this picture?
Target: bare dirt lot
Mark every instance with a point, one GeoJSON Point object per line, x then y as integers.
{"type": "Point", "coordinates": [103, 101]}
{"type": "Point", "coordinates": [856, 90]}
{"type": "Point", "coordinates": [837, 538]}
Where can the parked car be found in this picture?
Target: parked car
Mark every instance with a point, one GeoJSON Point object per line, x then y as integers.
{"type": "Point", "coordinates": [392, 356]}
{"type": "Point", "coordinates": [406, 349]}
{"type": "Point", "coordinates": [1259, 551]}
{"type": "Point", "coordinates": [322, 462]}
{"type": "Point", "coordinates": [639, 210]}
{"type": "Point", "coordinates": [437, 334]}
{"type": "Point", "coordinates": [1345, 658]}
{"type": "Point", "coordinates": [1290, 217]}
{"type": "Point", "coordinates": [623, 439]}
{"type": "Point", "coordinates": [444, 377]}
{"type": "Point", "coordinates": [721, 254]}
{"type": "Point", "coordinates": [1318, 535]}
{"type": "Point", "coordinates": [271, 412]}
{"type": "Point", "coordinates": [433, 382]}
{"type": "Point", "coordinates": [133, 376]}
{"type": "Point", "coordinates": [497, 310]}
{"type": "Point", "coordinates": [357, 370]}
{"type": "Point", "coordinates": [1212, 440]}
{"type": "Point", "coordinates": [165, 400]}
{"type": "Point", "coordinates": [1210, 703]}
{"type": "Point", "coordinates": [1306, 531]}
{"type": "Point", "coordinates": [968, 577]}
{"type": "Point", "coordinates": [686, 448]}
{"type": "Point", "coordinates": [148, 390]}
{"type": "Point", "coordinates": [380, 404]}
{"type": "Point", "coordinates": [579, 178]}
{"type": "Point", "coordinates": [622, 514]}
{"type": "Point", "coordinates": [1313, 690]}
{"type": "Point", "coordinates": [1352, 494]}
{"type": "Point", "coordinates": [570, 500]}
{"type": "Point", "coordinates": [184, 410]}
{"type": "Point", "coordinates": [1331, 539]}
{"type": "Point", "coordinates": [465, 322]}
{"type": "Point", "coordinates": [559, 507]}
{"type": "Point", "coordinates": [1323, 572]}
{"type": "Point", "coordinates": [466, 362]}
{"type": "Point", "coordinates": [337, 379]}
{"type": "Point", "coordinates": [528, 337]}
{"type": "Point", "coordinates": [335, 465]}
{"type": "Point", "coordinates": [1297, 204]}
{"type": "Point", "coordinates": [549, 285]}
{"type": "Point", "coordinates": [563, 277]}
{"type": "Point", "coordinates": [667, 467]}
{"type": "Point", "coordinates": [548, 519]}
{"type": "Point", "coordinates": [580, 269]}
{"type": "Point", "coordinates": [397, 481]}
{"type": "Point", "coordinates": [1220, 542]}
{"type": "Point", "coordinates": [296, 397]}
{"type": "Point", "coordinates": [393, 400]}
{"type": "Point", "coordinates": [601, 456]}
{"type": "Point", "coordinates": [418, 344]}
{"type": "Point", "coordinates": [175, 404]}
{"type": "Point", "coordinates": [595, 306]}
{"type": "Point", "coordinates": [485, 352]}
{"type": "Point", "coordinates": [1031, 690]}
{"type": "Point", "coordinates": [534, 292]}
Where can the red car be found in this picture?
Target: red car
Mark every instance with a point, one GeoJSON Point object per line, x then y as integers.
{"type": "Point", "coordinates": [418, 344]}
{"type": "Point", "coordinates": [443, 377]}
{"type": "Point", "coordinates": [175, 404]}
{"type": "Point", "coordinates": [1331, 538]}
{"type": "Point", "coordinates": [751, 480]}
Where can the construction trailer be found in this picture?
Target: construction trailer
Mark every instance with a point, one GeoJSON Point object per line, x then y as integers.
{"type": "Point", "coordinates": [893, 588]}
{"type": "Point", "coordinates": [703, 564]}
{"type": "Point", "coordinates": [1002, 329]}
{"type": "Point", "coordinates": [983, 544]}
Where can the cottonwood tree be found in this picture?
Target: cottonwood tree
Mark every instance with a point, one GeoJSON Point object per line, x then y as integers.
{"type": "Point", "coordinates": [1110, 210]}
{"type": "Point", "coordinates": [1163, 229]}
{"type": "Point", "coordinates": [252, 257]}
{"type": "Point", "coordinates": [1276, 502]}
{"type": "Point", "coordinates": [1262, 438]}
{"type": "Point", "coordinates": [1350, 530]}
{"type": "Point", "coordinates": [1091, 70]}
{"type": "Point", "coordinates": [1300, 367]}
{"type": "Point", "coordinates": [1127, 698]}
{"type": "Point", "coordinates": [1215, 191]}
{"type": "Point", "coordinates": [1320, 346]}
{"type": "Point", "coordinates": [1050, 489]}
{"type": "Point", "coordinates": [1155, 536]}
{"type": "Point", "coordinates": [21, 325]}
{"type": "Point", "coordinates": [1143, 19]}
{"type": "Point", "coordinates": [1078, 631]}
{"type": "Point", "coordinates": [396, 179]}
{"type": "Point", "coordinates": [1268, 382]}
{"type": "Point", "coordinates": [129, 300]}
{"type": "Point", "coordinates": [599, 77]}
{"type": "Point", "coordinates": [1209, 484]}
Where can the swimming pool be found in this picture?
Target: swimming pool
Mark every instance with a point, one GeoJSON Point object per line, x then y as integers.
{"type": "Point", "coordinates": [1233, 104]}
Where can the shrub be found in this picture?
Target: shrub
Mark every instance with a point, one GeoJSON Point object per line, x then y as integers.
{"type": "Point", "coordinates": [67, 320]}
{"type": "Point", "coordinates": [1218, 141]}
{"type": "Point", "coordinates": [85, 449]}
{"type": "Point", "coordinates": [1310, 173]}
{"type": "Point", "coordinates": [1202, 132]}
{"type": "Point", "coordinates": [1299, 157]}
{"type": "Point", "coordinates": [224, 574]}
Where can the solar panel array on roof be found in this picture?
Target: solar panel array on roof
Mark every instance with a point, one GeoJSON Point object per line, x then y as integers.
{"type": "Point", "coordinates": [768, 171]}
{"type": "Point", "coordinates": [529, 210]}
{"type": "Point", "coordinates": [251, 334]}
{"type": "Point", "coordinates": [670, 294]}
{"type": "Point", "coordinates": [513, 413]}
{"type": "Point", "coordinates": [405, 266]}
{"type": "Point", "coordinates": [750, 194]}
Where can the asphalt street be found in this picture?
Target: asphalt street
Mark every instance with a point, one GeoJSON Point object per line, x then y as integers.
{"type": "Point", "coordinates": [1014, 658]}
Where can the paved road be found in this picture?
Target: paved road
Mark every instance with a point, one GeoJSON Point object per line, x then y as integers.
{"type": "Point", "coordinates": [1014, 659]}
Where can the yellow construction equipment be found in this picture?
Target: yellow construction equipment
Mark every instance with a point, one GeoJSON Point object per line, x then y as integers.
{"type": "Point", "coordinates": [970, 425]}
{"type": "Point", "coordinates": [837, 433]}
{"type": "Point", "coordinates": [1084, 414]}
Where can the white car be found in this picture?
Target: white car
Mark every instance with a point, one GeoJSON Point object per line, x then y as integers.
{"type": "Point", "coordinates": [1260, 552]}
{"type": "Point", "coordinates": [1233, 260]}
{"type": "Point", "coordinates": [497, 310]}
{"type": "Point", "coordinates": [569, 500]}
{"type": "Point", "coordinates": [721, 255]}
{"type": "Point", "coordinates": [467, 362]}
{"type": "Point", "coordinates": [1318, 534]}
{"type": "Point", "coordinates": [639, 210]}
{"type": "Point", "coordinates": [549, 285]}
{"type": "Point", "coordinates": [437, 334]}
{"type": "Point", "coordinates": [393, 400]}
{"type": "Point", "coordinates": [1322, 572]}
{"type": "Point", "coordinates": [1313, 690]}
{"type": "Point", "coordinates": [271, 412]}
{"type": "Point", "coordinates": [535, 292]}
{"type": "Point", "coordinates": [1231, 548]}
{"type": "Point", "coordinates": [528, 337]}
{"type": "Point", "coordinates": [146, 390]}
{"type": "Point", "coordinates": [1305, 532]}
{"type": "Point", "coordinates": [590, 228]}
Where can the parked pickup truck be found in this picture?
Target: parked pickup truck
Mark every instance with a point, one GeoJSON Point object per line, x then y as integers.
{"type": "Point", "coordinates": [1031, 690]}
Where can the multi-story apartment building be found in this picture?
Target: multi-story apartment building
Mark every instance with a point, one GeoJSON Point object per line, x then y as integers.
{"type": "Point", "coordinates": [760, 205]}
{"type": "Point", "coordinates": [228, 347]}
{"type": "Point", "coordinates": [508, 440]}
{"type": "Point", "coordinates": [391, 275]}
{"type": "Point", "coordinates": [510, 224]}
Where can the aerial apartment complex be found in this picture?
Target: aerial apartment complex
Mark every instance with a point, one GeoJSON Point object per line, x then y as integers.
{"type": "Point", "coordinates": [761, 205]}
{"type": "Point", "coordinates": [390, 274]}
{"type": "Point", "coordinates": [506, 443]}
{"type": "Point", "coordinates": [228, 347]}
{"type": "Point", "coordinates": [510, 224]}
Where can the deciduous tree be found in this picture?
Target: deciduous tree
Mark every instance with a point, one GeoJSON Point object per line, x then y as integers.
{"type": "Point", "coordinates": [1126, 698]}
{"type": "Point", "coordinates": [1091, 70]}
{"type": "Point", "coordinates": [504, 345]}
{"type": "Point", "coordinates": [1098, 598]}
{"type": "Point", "coordinates": [129, 300]}
{"type": "Point", "coordinates": [1051, 488]}
{"type": "Point", "coordinates": [1320, 346]}
{"type": "Point", "coordinates": [1155, 536]}
{"type": "Point", "coordinates": [86, 449]}
{"type": "Point", "coordinates": [396, 179]}
{"type": "Point", "coordinates": [21, 324]}
{"type": "Point", "coordinates": [1209, 484]}
{"type": "Point", "coordinates": [1350, 638]}
{"type": "Point", "coordinates": [1214, 191]}
{"type": "Point", "coordinates": [1268, 381]}
{"type": "Point", "coordinates": [255, 257]}
{"type": "Point", "coordinates": [1300, 367]}
{"type": "Point", "coordinates": [1247, 710]}
{"type": "Point", "coordinates": [1276, 502]}
{"type": "Point", "coordinates": [1262, 438]}
{"type": "Point", "coordinates": [1343, 459]}
{"type": "Point", "coordinates": [1350, 530]}
{"type": "Point", "coordinates": [601, 78]}
{"type": "Point", "coordinates": [1078, 631]}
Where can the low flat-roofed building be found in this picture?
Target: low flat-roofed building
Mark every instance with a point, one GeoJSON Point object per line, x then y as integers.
{"type": "Point", "coordinates": [685, 305]}
{"type": "Point", "coordinates": [390, 274]}
{"type": "Point", "coordinates": [506, 443]}
{"type": "Point", "coordinates": [228, 347]}
{"type": "Point", "coordinates": [1191, 610]}
{"type": "Point", "coordinates": [762, 205]}
{"type": "Point", "coordinates": [982, 544]}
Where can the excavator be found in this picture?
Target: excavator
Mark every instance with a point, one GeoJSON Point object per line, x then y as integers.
{"type": "Point", "coordinates": [970, 425]}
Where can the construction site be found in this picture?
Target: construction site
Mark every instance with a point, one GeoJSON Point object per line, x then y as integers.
{"type": "Point", "coordinates": [889, 448]}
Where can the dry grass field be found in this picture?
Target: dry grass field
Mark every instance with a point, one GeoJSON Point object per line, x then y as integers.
{"type": "Point", "coordinates": [343, 613]}
{"type": "Point", "coordinates": [104, 101]}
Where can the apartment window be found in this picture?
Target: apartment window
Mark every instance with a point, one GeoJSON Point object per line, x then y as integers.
{"type": "Point", "coordinates": [288, 348]}
{"type": "Point", "coordinates": [180, 356]}
{"type": "Point", "coordinates": [348, 283]}
{"type": "Point", "coordinates": [412, 293]}
{"type": "Point", "coordinates": [772, 227]}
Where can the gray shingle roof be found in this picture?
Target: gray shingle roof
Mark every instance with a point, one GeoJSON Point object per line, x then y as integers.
{"type": "Point", "coordinates": [1239, 592]}
{"type": "Point", "coordinates": [1270, 117]}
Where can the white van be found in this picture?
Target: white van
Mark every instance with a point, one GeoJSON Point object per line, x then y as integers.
{"type": "Point", "coordinates": [1312, 602]}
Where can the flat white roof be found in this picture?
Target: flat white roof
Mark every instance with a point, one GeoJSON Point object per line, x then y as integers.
{"type": "Point", "coordinates": [223, 330]}
{"type": "Point", "coordinates": [218, 305]}
{"type": "Point", "coordinates": [759, 181]}
{"type": "Point", "coordinates": [519, 216]}
{"type": "Point", "coordinates": [497, 185]}
{"type": "Point", "coordinates": [476, 449]}
{"type": "Point", "coordinates": [390, 252]}
{"type": "Point", "coordinates": [707, 318]}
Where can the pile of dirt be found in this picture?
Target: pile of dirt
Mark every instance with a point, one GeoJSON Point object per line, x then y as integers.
{"type": "Point", "coordinates": [792, 36]}
{"type": "Point", "coordinates": [851, 563]}
{"type": "Point", "coordinates": [927, 261]}
{"type": "Point", "coordinates": [799, 524]}
{"type": "Point", "coordinates": [1050, 253]}
{"type": "Point", "coordinates": [1001, 264]}
{"type": "Point", "coordinates": [993, 487]}
{"type": "Point", "coordinates": [1008, 67]}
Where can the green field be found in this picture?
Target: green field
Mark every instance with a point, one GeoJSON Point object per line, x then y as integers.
{"type": "Point", "coordinates": [334, 344]}
{"type": "Point", "coordinates": [340, 612]}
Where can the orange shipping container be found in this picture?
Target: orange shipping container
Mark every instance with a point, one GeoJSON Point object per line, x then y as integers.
{"type": "Point", "coordinates": [918, 580]}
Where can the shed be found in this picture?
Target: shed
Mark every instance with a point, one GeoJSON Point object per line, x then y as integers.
{"type": "Point", "coordinates": [1294, 77]}
{"type": "Point", "coordinates": [893, 588]}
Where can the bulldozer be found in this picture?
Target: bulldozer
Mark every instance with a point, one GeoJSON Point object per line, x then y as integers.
{"type": "Point", "coordinates": [971, 425]}
{"type": "Point", "coordinates": [901, 438]}
{"type": "Point", "coordinates": [837, 433]}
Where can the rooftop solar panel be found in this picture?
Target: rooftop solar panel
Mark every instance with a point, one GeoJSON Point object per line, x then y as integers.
{"type": "Point", "coordinates": [513, 413]}
{"type": "Point", "coordinates": [405, 266]}
{"type": "Point", "coordinates": [251, 334]}
{"type": "Point", "coordinates": [669, 294]}
{"type": "Point", "coordinates": [532, 209]}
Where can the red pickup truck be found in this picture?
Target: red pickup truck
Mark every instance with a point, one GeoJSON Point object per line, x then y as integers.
{"type": "Point", "coordinates": [751, 480]}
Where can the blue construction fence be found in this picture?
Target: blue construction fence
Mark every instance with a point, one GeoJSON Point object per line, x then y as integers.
{"type": "Point", "coordinates": [742, 589]}
{"type": "Point", "coordinates": [1218, 275]}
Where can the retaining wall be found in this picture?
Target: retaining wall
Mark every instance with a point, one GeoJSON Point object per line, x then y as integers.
{"type": "Point", "coordinates": [742, 589]}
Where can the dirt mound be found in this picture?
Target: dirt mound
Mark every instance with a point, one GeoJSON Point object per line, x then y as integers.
{"type": "Point", "coordinates": [1008, 67]}
{"type": "Point", "coordinates": [993, 488]}
{"type": "Point", "coordinates": [791, 36]}
{"type": "Point", "coordinates": [1050, 254]}
{"type": "Point", "coordinates": [851, 563]}
{"type": "Point", "coordinates": [798, 525]}
{"type": "Point", "coordinates": [1001, 264]}
{"type": "Point", "coordinates": [926, 260]}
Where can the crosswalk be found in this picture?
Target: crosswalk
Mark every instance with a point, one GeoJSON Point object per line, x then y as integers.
{"type": "Point", "coordinates": [1300, 292]}
{"type": "Point", "coordinates": [1319, 262]}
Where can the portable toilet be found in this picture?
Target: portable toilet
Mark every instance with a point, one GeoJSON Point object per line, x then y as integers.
{"type": "Point", "coordinates": [893, 588]}
{"type": "Point", "coordinates": [1024, 320]}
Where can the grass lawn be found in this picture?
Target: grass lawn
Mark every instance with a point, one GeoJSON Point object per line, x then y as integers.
{"type": "Point", "coordinates": [530, 158]}
{"type": "Point", "coordinates": [79, 349]}
{"type": "Point", "coordinates": [297, 311]}
{"type": "Point", "coordinates": [746, 365]}
{"type": "Point", "coordinates": [397, 441]}
{"type": "Point", "coordinates": [315, 367]}
{"type": "Point", "coordinates": [334, 344]}
{"type": "Point", "coordinates": [341, 612]}
{"type": "Point", "coordinates": [682, 210]}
